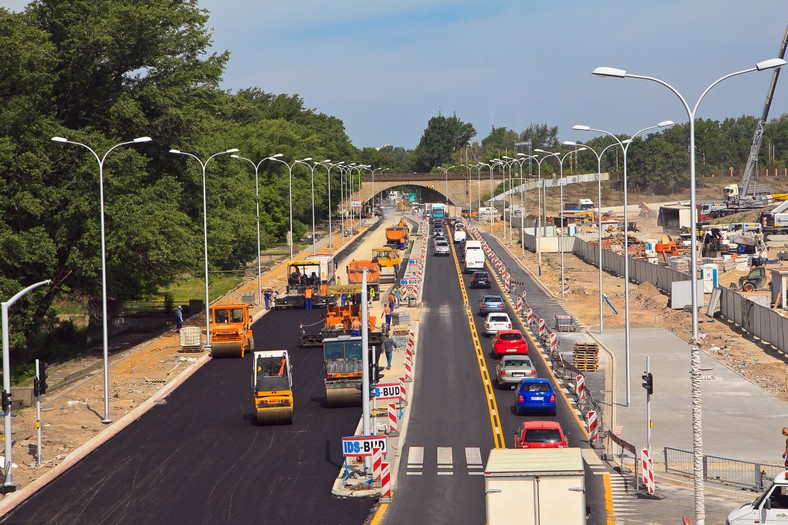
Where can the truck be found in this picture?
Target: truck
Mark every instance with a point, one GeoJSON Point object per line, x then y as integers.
{"type": "Point", "coordinates": [343, 370]}
{"type": "Point", "coordinates": [775, 221]}
{"type": "Point", "coordinates": [231, 330]}
{"type": "Point", "coordinates": [317, 271]}
{"type": "Point", "coordinates": [438, 211]}
{"type": "Point", "coordinates": [398, 235]}
{"type": "Point", "coordinates": [355, 274]}
{"type": "Point", "coordinates": [771, 506]}
{"type": "Point", "coordinates": [473, 256]}
{"type": "Point", "coordinates": [272, 387]}
{"type": "Point", "coordinates": [535, 486]}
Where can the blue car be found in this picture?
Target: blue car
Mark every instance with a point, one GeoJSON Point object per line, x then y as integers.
{"type": "Point", "coordinates": [534, 394]}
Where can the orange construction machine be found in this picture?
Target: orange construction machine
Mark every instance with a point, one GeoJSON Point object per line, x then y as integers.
{"type": "Point", "coordinates": [231, 330]}
{"type": "Point", "coordinates": [341, 316]}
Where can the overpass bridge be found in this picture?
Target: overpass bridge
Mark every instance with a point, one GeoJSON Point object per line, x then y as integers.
{"type": "Point", "coordinates": [456, 189]}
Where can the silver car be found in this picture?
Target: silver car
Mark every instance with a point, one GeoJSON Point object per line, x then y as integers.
{"type": "Point", "coordinates": [512, 368]}
{"type": "Point", "coordinates": [441, 247]}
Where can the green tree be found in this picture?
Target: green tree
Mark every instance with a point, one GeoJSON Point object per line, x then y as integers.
{"type": "Point", "coordinates": [441, 139]}
{"type": "Point", "coordinates": [500, 141]}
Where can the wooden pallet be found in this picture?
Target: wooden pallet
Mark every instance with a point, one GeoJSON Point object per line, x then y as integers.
{"type": "Point", "coordinates": [586, 357]}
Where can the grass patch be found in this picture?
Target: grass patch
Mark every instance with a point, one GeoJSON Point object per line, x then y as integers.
{"type": "Point", "coordinates": [194, 288]}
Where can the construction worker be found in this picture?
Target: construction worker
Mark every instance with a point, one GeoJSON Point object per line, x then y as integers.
{"type": "Point", "coordinates": [387, 313]}
{"type": "Point", "coordinates": [308, 292]}
{"type": "Point", "coordinates": [371, 293]}
{"type": "Point", "coordinates": [355, 326]}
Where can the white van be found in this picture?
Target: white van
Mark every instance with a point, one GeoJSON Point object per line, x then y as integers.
{"type": "Point", "coordinates": [769, 507]}
{"type": "Point", "coordinates": [487, 211]}
{"type": "Point", "coordinates": [473, 257]}
{"type": "Point", "coordinates": [459, 236]}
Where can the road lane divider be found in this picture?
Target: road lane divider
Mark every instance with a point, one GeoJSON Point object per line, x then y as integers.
{"type": "Point", "coordinates": [492, 405]}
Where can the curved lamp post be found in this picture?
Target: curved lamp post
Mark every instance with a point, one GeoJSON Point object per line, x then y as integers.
{"type": "Point", "coordinates": [205, 232]}
{"type": "Point", "coordinates": [520, 162]}
{"type": "Point", "coordinates": [599, 215]}
{"type": "Point", "coordinates": [561, 206]}
{"type": "Point", "coordinates": [257, 209]}
{"type": "Point", "coordinates": [276, 158]}
{"type": "Point", "coordinates": [8, 483]}
{"type": "Point", "coordinates": [104, 330]}
{"type": "Point", "coordinates": [697, 436]}
{"type": "Point", "coordinates": [327, 164]}
{"type": "Point", "coordinates": [625, 148]}
{"type": "Point", "coordinates": [306, 162]}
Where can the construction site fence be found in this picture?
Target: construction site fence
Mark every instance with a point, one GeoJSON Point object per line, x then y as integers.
{"type": "Point", "coordinates": [745, 474]}
{"type": "Point", "coordinates": [759, 320]}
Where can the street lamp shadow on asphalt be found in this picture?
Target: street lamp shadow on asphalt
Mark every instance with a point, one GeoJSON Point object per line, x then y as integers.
{"type": "Point", "coordinates": [104, 329]}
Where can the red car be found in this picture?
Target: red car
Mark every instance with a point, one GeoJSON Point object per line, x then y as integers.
{"type": "Point", "coordinates": [540, 434]}
{"type": "Point", "coordinates": [508, 342]}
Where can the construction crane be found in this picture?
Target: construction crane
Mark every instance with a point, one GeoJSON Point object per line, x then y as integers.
{"type": "Point", "coordinates": [752, 161]}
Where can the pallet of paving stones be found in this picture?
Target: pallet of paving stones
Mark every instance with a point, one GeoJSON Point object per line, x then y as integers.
{"type": "Point", "coordinates": [586, 357]}
{"type": "Point", "coordinates": [399, 330]}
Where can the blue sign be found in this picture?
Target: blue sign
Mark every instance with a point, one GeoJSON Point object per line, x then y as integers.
{"type": "Point", "coordinates": [413, 261]}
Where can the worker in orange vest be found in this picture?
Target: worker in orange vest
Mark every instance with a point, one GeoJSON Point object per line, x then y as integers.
{"type": "Point", "coordinates": [308, 291]}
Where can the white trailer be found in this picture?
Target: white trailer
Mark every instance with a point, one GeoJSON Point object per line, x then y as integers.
{"type": "Point", "coordinates": [535, 487]}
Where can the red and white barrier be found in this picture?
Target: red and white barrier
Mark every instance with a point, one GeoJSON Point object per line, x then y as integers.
{"type": "Point", "coordinates": [580, 383]}
{"type": "Point", "coordinates": [648, 470]}
{"type": "Point", "coordinates": [529, 316]}
{"type": "Point", "coordinates": [593, 430]}
{"type": "Point", "coordinates": [553, 343]}
{"type": "Point", "coordinates": [393, 412]}
{"type": "Point", "coordinates": [519, 304]}
{"type": "Point", "coordinates": [377, 459]}
{"type": "Point", "coordinates": [403, 392]}
{"type": "Point", "coordinates": [542, 328]}
{"type": "Point", "coordinates": [408, 367]}
{"type": "Point", "coordinates": [385, 481]}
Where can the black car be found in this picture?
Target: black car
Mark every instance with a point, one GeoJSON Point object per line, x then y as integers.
{"type": "Point", "coordinates": [481, 280]}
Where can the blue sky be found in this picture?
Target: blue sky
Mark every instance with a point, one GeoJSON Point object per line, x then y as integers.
{"type": "Point", "coordinates": [385, 68]}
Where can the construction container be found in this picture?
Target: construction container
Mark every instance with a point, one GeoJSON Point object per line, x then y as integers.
{"type": "Point", "coordinates": [191, 337]}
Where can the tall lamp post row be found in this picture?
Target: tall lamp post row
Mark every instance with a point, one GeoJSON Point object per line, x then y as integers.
{"type": "Point", "coordinates": [697, 435]}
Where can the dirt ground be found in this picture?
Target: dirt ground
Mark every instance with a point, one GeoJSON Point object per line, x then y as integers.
{"type": "Point", "coordinates": [759, 362]}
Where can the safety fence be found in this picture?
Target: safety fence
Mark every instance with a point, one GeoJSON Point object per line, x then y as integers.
{"type": "Point", "coordinates": [746, 474]}
{"type": "Point", "coordinates": [760, 320]}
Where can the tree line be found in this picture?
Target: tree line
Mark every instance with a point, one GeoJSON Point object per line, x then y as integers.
{"type": "Point", "coordinates": [101, 72]}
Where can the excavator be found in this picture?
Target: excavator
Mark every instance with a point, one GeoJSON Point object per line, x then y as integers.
{"type": "Point", "coordinates": [339, 318]}
{"type": "Point", "coordinates": [272, 386]}
{"type": "Point", "coordinates": [231, 330]}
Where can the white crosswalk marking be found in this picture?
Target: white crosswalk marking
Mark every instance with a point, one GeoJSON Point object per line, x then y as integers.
{"type": "Point", "coordinates": [415, 461]}
{"type": "Point", "coordinates": [623, 495]}
{"type": "Point", "coordinates": [474, 461]}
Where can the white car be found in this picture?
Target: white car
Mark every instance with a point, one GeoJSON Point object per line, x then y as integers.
{"type": "Point", "coordinates": [459, 236]}
{"type": "Point", "coordinates": [495, 322]}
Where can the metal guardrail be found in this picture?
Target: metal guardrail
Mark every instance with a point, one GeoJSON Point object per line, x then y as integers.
{"type": "Point", "coordinates": [746, 474]}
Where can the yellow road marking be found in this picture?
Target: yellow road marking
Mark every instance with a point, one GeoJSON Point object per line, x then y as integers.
{"type": "Point", "coordinates": [492, 405]}
{"type": "Point", "coordinates": [611, 515]}
{"type": "Point", "coordinates": [379, 514]}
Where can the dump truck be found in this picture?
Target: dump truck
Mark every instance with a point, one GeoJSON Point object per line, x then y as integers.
{"type": "Point", "coordinates": [398, 235]}
{"type": "Point", "coordinates": [272, 386]}
{"type": "Point", "coordinates": [535, 486]}
{"type": "Point", "coordinates": [343, 366]}
{"type": "Point", "coordinates": [341, 311]}
{"type": "Point", "coordinates": [316, 272]}
{"type": "Point", "coordinates": [355, 274]}
{"type": "Point", "coordinates": [231, 330]}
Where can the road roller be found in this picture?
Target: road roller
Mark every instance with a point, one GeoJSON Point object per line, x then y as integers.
{"type": "Point", "coordinates": [231, 330]}
{"type": "Point", "coordinates": [342, 360]}
{"type": "Point", "coordinates": [272, 384]}
{"type": "Point", "coordinates": [344, 307]}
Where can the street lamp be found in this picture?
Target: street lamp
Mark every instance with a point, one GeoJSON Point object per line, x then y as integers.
{"type": "Point", "coordinates": [446, 175]}
{"type": "Point", "coordinates": [327, 164]}
{"type": "Point", "coordinates": [104, 330]}
{"type": "Point", "coordinates": [312, 169]}
{"type": "Point", "coordinates": [276, 158]}
{"type": "Point", "coordinates": [561, 207]}
{"type": "Point", "coordinates": [625, 148]}
{"type": "Point", "coordinates": [257, 205]}
{"type": "Point", "coordinates": [507, 164]}
{"type": "Point", "coordinates": [697, 435]}
{"type": "Point", "coordinates": [599, 216]}
{"type": "Point", "coordinates": [8, 483]}
{"type": "Point", "coordinates": [205, 232]}
{"type": "Point", "coordinates": [520, 162]}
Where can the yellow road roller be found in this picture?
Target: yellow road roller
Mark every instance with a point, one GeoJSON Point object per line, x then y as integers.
{"type": "Point", "coordinates": [272, 385]}
{"type": "Point", "coordinates": [231, 330]}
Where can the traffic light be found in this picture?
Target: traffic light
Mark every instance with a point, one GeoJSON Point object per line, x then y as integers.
{"type": "Point", "coordinates": [648, 382]}
{"type": "Point", "coordinates": [6, 402]}
{"type": "Point", "coordinates": [42, 378]}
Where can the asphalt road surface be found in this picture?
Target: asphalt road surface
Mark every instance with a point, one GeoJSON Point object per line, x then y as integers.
{"type": "Point", "coordinates": [199, 458]}
{"type": "Point", "coordinates": [450, 432]}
